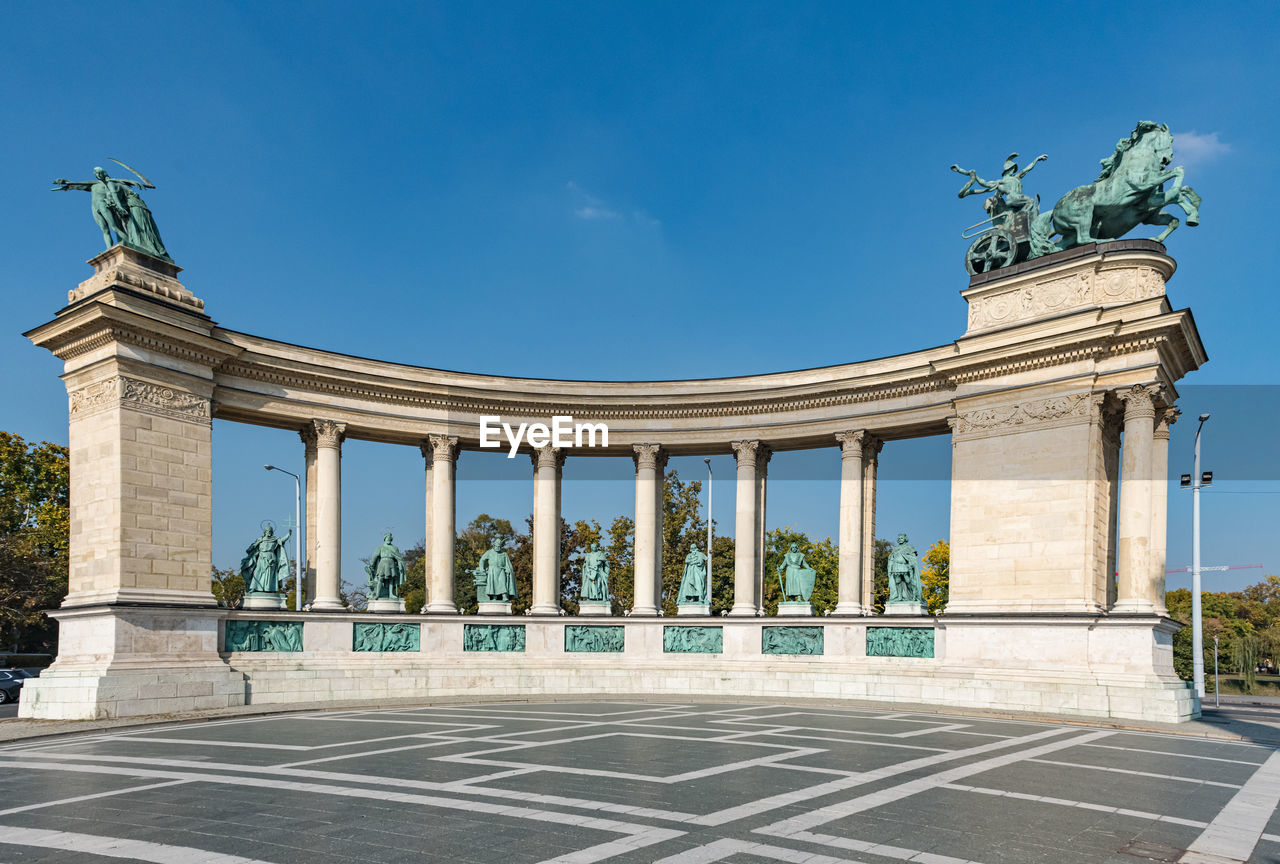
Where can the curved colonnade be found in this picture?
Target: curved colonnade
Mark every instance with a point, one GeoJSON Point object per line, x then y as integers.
{"type": "Point", "coordinates": [1059, 361]}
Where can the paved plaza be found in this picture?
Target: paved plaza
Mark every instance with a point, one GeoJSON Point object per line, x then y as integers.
{"type": "Point", "coordinates": [635, 782]}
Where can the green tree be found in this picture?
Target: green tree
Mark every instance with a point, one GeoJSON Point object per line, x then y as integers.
{"type": "Point", "coordinates": [880, 550]}
{"type": "Point", "coordinates": [935, 577]}
{"type": "Point", "coordinates": [228, 588]}
{"type": "Point", "coordinates": [34, 538]}
{"type": "Point", "coordinates": [622, 571]}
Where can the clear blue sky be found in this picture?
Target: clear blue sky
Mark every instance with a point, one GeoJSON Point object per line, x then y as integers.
{"type": "Point", "coordinates": [610, 190]}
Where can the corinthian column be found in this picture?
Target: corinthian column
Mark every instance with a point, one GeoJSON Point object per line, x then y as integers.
{"type": "Point", "coordinates": [1160, 505]}
{"type": "Point", "coordinates": [849, 589]}
{"type": "Point", "coordinates": [444, 456]}
{"type": "Point", "coordinates": [647, 535]}
{"type": "Point", "coordinates": [1133, 585]}
{"type": "Point", "coordinates": [871, 448]}
{"type": "Point", "coordinates": [745, 536]}
{"type": "Point", "coordinates": [329, 437]}
{"type": "Point", "coordinates": [308, 436]}
{"type": "Point", "coordinates": [428, 460]}
{"type": "Point", "coordinates": [546, 530]}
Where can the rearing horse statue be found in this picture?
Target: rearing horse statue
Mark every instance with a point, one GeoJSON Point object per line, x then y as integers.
{"type": "Point", "coordinates": [1129, 192]}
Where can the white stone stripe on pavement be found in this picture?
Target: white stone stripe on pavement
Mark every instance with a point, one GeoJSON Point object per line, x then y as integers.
{"type": "Point", "coordinates": [80, 798]}
{"type": "Point", "coordinates": [117, 847]}
{"type": "Point", "coordinates": [1238, 826]}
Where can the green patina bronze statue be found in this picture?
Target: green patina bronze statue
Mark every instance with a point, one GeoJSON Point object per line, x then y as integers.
{"type": "Point", "coordinates": [795, 576]}
{"type": "Point", "coordinates": [904, 573]}
{"type": "Point", "coordinates": [495, 579]}
{"type": "Point", "coordinates": [119, 210]}
{"type": "Point", "coordinates": [265, 563]}
{"type": "Point", "coordinates": [693, 581]}
{"type": "Point", "coordinates": [385, 570]}
{"type": "Point", "coordinates": [595, 575]}
{"type": "Point", "coordinates": [1129, 192]}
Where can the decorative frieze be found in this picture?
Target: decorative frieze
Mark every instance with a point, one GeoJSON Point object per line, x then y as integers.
{"type": "Point", "coordinates": [899, 642]}
{"type": "Point", "coordinates": [138, 395]}
{"type": "Point", "coordinates": [1036, 413]}
{"type": "Point", "coordinates": [385, 636]}
{"type": "Point", "coordinates": [493, 637]}
{"type": "Point", "coordinates": [791, 640]}
{"type": "Point", "coordinates": [262, 636]}
{"type": "Point", "coordinates": [580, 638]}
{"type": "Point", "coordinates": [692, 640]}
{"type": "Point", "coordinates": [1063, 293]}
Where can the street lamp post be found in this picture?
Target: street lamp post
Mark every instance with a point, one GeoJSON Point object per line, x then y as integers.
{"type": "Point", "coordinates": [708, 461]}
{"type": "Point", "coordinates": [1197, 633]}
{"type": "Point", "coordinates": [297, 537]}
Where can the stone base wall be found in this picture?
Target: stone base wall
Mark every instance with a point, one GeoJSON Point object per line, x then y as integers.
{"type": "Point", "coordinates": [1091, 666]}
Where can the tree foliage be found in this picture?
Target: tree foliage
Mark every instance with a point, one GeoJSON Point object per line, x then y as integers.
{"type": "Point", "coordinates": [1246, 623]}
{"type": "Point", "coordinates": [935, 577]}
{"type": "Point", "coordinates": [34, 539]}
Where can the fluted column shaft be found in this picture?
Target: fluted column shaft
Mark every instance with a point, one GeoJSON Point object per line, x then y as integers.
{"type": "Point", "coordinates": [849, 586]}
{"type": "Point", "coordinates": [546, 530]}
{"type": "Point", "coordinates": [444, 457]}
{"type": "Point", "coordinates": [1160, 505]}
{"type": "Point", "coordinates": [329, 437]}
{"type": "Point", "coordinates": [1134, 546]}
{"type": "Point", "coordinates": [645, 552]}
{"type": "Point", "coordinates": [745, 536]}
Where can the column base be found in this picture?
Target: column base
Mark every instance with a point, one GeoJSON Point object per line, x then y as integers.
{"type": "Point", "coordinates": [327, 604]}
{"type": "Point", "coordinates": [795, 609]}
{"type": "Point", "coordinates": [264, 600]}
{"type": "Point", "coordinates": [1134, 607]}
{"type": "Point", "coordinates": [595, 607]}
{"type": "Point", "coordinates": [745, 610]}
{"type": "Point", "coordinates": [905, 609]}
{"type": "Point", "coordinates": [493, 607]}
{"type": "Point", "coordinates": [644, 612]}
{"type": "Point", "coordinates": [387, 605]}
{"type": "Point", "coordinates": [441, 609]}
{"type": "Point", "coordinates": [850, 609]}
{"type": "Point", "coordinates": [543, 609]}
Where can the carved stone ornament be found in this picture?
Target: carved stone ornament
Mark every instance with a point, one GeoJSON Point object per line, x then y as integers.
{"type": "Point", "coordinates": [1138, 402]}
{"type": "Point", "coordinates": [444, 448]}
{"type": "Point", "coordinates": [1039, 412]}
{"type": "Point", "coordinates": [308, 436]}
{"type": "Point", "coordinates": [1165, 418]}
{"type": "Point", "coordinates": [648, 456]}
{"type": "Point", "coordinates": [428, 454]}
{"type": "Point", "coordinates": [851, 443]}
{"type": "Point", "coordinates": [139, 395]}
{"type": "Point", "coordinates": [548, 457]}
{"type": "Point", "coordinates": [1062, 294]}
{"type": "Point", "coordinates": [745, 451]}
{"type": "Point", "coordinates": [329, 433]}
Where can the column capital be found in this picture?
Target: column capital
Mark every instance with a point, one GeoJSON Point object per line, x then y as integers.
{"type": "Point", "coordinates": [443, 447]}
{"type": "Point", "coordinates": [1139, 401]}
{"type": "Point", "coordinates": [309, 438]}
{"type": "Point", "coordinates": [548, 456]}
{"type": "Point", "coordinates": [763, 454]}
{"type": "Point", "coordinates": [744, 452]}
{"type": "Point", "coordinates": [427, 451]}
{"type": "Point", "coordinates": [329, 433]}
{"type": "Point", "coordinates": [851, 443]}
{"type": "Point", "coordinates": [648, 456]}
{"type": "Point", "coordinates": [1165, 417]}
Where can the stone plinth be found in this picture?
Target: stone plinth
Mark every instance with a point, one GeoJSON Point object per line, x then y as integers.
{"type": "Point", "coordinates": [591, 608]}
{"type": "Point", "coordinates": [264, 601]}
{"type": "Point", "coordinates": [387, 605]}
{"type": "Point", "coordinates": [795, 609]}
{"type": "Point", "coordinates": [905, 609]}
{"type": "Point", "coordinates": [494, 607]}
{"type": "Point", "coordinates": [695, 609]}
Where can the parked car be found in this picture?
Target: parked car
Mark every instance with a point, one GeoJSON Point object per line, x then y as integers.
{"type": "Point", "coordinates": [11, 684]}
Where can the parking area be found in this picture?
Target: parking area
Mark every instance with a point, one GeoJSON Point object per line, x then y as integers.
{"type": "Point", "coordinates": [636, 782]}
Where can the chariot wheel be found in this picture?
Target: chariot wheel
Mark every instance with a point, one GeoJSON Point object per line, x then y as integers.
{"type": "Point", "coordinates": [991, 251]}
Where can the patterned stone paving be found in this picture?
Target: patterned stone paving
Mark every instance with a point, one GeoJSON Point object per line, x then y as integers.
{"type": "Point", "coordinates": [636, 782]}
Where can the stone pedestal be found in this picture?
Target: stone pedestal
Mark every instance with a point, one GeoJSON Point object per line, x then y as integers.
{"type": "Point", "coordinates": [264, 600]}
{"type": "Point", "coordinates": [595, 607]}
{"type": "Point", "coordinates": [905, 609]}
{"type": "Point", "coordinates": [494, 607]}
{"type": "Point", "coordinates": [387, 605]}
{"type": "Point", "coordinates": [795, 609]}
{"type": "Point", "coordinates": [703, 609]}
